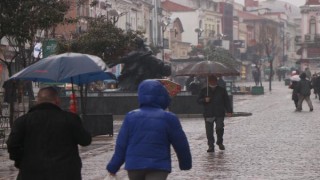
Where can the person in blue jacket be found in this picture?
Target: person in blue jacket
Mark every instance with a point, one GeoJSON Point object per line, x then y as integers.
{"type": "Point", "coordinates": [146, 135]}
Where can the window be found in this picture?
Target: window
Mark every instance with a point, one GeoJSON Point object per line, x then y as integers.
{"type": "Point", "coordinates": [312, 26]}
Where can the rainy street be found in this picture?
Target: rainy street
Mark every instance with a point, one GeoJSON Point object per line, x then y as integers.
{"type": "Point", "coordinates": [274, 143]}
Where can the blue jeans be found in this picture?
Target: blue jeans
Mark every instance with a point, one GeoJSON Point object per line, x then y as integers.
{"type": "Point", "coordinates": [219, 131]}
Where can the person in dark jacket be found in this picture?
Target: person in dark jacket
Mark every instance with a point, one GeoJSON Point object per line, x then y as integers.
{"type": "Point", "coordinates": [216, 104]}
{"type": "Point", "coordinates": [44, 142]}
{"type": "Point", "coordinates": [145, 137]}
{"type": "Point", "coordinates": [304, 91]}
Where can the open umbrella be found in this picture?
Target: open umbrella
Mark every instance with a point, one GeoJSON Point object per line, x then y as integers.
{"type": "Point", "coordinates": [74, 68]}
{"type": "Point", "coordinates": [205, 68]}
{"type": "Point", "coordinates": [295, 78]}
{"type": "Point", "coordinates": [173, 88]}
{"type": "Point", "coordinates": [284, 68]}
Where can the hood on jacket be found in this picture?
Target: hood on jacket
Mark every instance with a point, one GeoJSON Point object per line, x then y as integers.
{"type": "Point", "coordinates": [152, 93]}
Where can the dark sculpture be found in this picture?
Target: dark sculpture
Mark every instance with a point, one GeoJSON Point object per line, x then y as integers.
{"type": "Point", "coordinates": [139, 65]}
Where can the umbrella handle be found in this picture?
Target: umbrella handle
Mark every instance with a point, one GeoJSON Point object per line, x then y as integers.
{"type": "Point", "coordinates": [207, 86]}
{"type": "Point", "coordinates": [72, 90]}
{"type": "Point", "coordinates": [73, 93]}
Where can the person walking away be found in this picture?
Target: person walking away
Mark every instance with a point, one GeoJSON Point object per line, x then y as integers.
{"type": "Point", "coordinates": [195, 86]}
{"type": "Point", "coordinates": [315, 84]}
{"type": "Point", "coordinates": [216, 105]}
{"type": "Point", "coordinates": [44, 142]}
{"type": "Point", "coordinates": [145, 137]}
{"type": "Point", "coordinates": [256, 76]}
{"type": "Point", "coordinates": [294, 96]}
{"type": "Point", "coordinates": [304, 91]}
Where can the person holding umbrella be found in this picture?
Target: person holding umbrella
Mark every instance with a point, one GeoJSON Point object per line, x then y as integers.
{"type": "Point", "coordinates": [216, 105]}
{"type": "Point", "coordinates": [44, 142]}
{"type": "Point", "coordinates": [294, 84]}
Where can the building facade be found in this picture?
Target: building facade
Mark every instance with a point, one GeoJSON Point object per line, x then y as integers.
{"type": "Point", "coordinates": [309, 40]}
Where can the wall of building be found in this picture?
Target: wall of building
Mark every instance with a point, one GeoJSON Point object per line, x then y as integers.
{"type": "Point", "coordinates": [190, 22]}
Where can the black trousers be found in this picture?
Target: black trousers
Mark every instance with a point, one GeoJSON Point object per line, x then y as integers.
{"type": "Point", "coordinates": [219, 121]}
{"type": "Point", "coordinates": [147, 174]}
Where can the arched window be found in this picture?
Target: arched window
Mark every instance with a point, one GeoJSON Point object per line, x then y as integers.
{"type": "Point", "coordinates": [312, 26]}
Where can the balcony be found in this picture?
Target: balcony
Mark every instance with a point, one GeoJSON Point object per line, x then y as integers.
{"type": "Point", "coordinates": [308, 39]}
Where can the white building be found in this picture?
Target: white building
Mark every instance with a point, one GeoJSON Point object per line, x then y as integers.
{"type": "Point", "coordinates": [309, 40]}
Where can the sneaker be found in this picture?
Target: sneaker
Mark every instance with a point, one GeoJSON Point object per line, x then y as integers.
{"type": "Point", "coordinates": [221, 147]}
{"type": "Point", "coordinates": [311, 110]}
{"type": "Point", "coordinates": [211, 149]}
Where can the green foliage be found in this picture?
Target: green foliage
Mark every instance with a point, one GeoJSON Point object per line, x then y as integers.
{"type": "Point", "coordinates": [102, 39]}
{"type": "Point", "coordinates": [19, 22]}
{"type": "Point", "coordinates": [20, 19]}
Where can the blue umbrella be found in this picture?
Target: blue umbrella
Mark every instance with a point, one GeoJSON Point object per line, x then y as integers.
{"type": "Point", "coordinates": [72, 68]}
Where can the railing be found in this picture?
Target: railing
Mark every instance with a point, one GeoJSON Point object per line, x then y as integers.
{"type": "Point", "coordinates": [4, 124]}
{"type": "Point", "coordinates": [4, 130]}
{"type": "Point", "coordinates": [308, 38]}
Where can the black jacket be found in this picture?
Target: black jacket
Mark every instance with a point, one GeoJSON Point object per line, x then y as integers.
{"type": "Point", "coordinates": [219, 104]}
{"type": "Point", "coordinates": [44, 144]}
{"type": "Point", "coordinates": [304, 87]}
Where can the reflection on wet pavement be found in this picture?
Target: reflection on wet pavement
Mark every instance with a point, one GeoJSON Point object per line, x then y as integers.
{"type": "Point", "coordinates": [275, 143]}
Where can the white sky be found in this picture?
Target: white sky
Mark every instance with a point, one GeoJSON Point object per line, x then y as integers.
{"type": "Point", "coordinates": [294, 2]}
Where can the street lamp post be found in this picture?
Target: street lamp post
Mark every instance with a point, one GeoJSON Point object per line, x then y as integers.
{"type": "Point", "coordinates": [283, 46]}
{"type": "Point", "coordinates": [270, 58]}
{"type": "Point", "coordinates": [165, 23]}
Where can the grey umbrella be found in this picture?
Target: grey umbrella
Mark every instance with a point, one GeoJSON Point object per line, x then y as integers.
{"type": "Point", "coordinates": [207, 68]}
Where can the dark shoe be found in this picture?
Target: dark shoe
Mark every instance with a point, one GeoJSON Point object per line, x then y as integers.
{"type": "Point", "coordinates": [311, 110]}
{"type": "Point", "coordinates": [221, 146]}
{"type": "Point", "coordinates": [211, 149]}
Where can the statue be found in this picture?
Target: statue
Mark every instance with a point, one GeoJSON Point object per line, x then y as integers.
{"type": "Point", "coordinates": [140, 64]}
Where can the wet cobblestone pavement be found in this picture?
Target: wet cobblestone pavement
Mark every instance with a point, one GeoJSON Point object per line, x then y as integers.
{"type": "Point", "coordinates": [275, 143]}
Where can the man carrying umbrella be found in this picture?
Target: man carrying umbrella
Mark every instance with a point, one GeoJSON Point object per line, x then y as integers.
{"type": "Point", "coordinates": [44, 142]}
{"type": "Point", "coordinates": [216, 104]}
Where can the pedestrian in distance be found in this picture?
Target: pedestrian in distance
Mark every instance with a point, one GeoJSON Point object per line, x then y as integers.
{"type": "Point", "coordinates": [304, 91]}
{"type": "Point", "coordinates": [294, 96]}
{"type": "Point", "coordinates": [195, 86]}
{"type": "Point", "coordinates": [146, 135]}
{"type": "Point", "coordinates": [44, 142]}
{"type": "Point", "coordinates": [315, 81]}
{"type": "Point", "coordinates": [221, 82]}
{"type": "Point", "coordinates": [256, 76]}
{"type": "Point", "coordinates": [308, 73]}
{"type": "Point", "coordinates": [216, 104]}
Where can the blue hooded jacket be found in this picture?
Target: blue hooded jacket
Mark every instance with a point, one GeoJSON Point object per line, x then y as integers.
{"type": "Point", "coordinates": [147, 133]}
